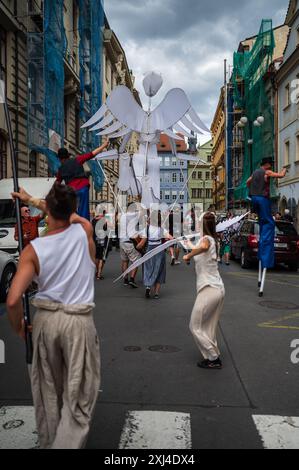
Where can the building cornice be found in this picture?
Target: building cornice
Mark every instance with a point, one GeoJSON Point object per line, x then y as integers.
{"type": "Point", "coordinates": [290, 64]}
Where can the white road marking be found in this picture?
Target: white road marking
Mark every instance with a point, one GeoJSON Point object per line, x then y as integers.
{"type": "Point", "coordinates": [278, 432]}
{"type": "Point", "coordinates": [18, 428]}
{"type": "Point", "coordinates": [156, 430]}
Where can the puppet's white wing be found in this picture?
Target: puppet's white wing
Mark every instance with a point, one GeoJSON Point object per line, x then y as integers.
{"type": "Point", "coordinates": [119, 116]}
{"type": "Point", "coordinates": [153, 253]}
{"type": "Point", "coordinates": [176, 113]}
{"type": "Point", "coordinates": [230, 223]}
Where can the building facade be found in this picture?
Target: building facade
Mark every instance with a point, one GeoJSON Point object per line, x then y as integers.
{"type": "Point", "coordinates": [173, 173]}
{"type": "Point", "coordinates": [218, 154]}
{"type": "Point", "coordinates": [200, 186]}
{"type": "Point", "coordinates": [251, 94]}
{"type": "Point", "coordinates": [45, 63]}
{"type": "Point", "coordinates": [15, 21]}
{"type": "Point", "coordinates": [287, 80]}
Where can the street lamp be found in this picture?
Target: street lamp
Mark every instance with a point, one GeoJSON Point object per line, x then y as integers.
{"type": "Point", "coordinates": [258, 122]}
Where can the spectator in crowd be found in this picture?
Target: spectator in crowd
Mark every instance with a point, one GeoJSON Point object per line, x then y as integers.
{"type": "Point", "coordinates": [287, 216]}
{"type": "Point", "coordinates": [29, 225]}
{"type": "Point", "coordinates": [100, 228]}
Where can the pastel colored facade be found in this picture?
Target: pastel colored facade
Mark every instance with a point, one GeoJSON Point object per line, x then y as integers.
{"type": "Point", "coordinates": [173, 173]}
{"type": "Point", "coordinates": [287, 80]}
{"type": "Point", "coordinates": [200, 186]}
{"type": "Point", "coordinates": [218, 154]}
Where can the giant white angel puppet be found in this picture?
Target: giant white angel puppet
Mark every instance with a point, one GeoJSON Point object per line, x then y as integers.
{"type": "Point", "coordinates": [121, 115]}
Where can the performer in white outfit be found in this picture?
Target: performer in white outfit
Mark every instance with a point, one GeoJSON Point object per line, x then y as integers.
{"type": "Point", "coordinates": [210, 294]}
{"type": "Point", "coordinates": [65, 375]}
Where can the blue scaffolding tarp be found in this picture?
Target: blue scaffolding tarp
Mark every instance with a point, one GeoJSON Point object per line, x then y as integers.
{"type": "Point", "coordinates": [91, 22]}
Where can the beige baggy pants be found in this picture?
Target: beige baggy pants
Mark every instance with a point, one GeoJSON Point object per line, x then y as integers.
{"type": "Point", "coordinates": [65, 376]}
{"type": "Point", "coordinates": [204, 321]}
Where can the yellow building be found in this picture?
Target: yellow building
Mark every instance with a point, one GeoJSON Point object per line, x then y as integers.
{"type": "Point", "coordinates": [218, 154]}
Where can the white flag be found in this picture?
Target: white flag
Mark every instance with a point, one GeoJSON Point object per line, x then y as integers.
{"type": "Point", "coordinates": [2, 92]}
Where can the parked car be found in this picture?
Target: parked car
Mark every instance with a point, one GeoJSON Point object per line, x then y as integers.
{"type": "Point", "coordinates": [8, 268]}
{"type": "Point", "coordinates": [38, 187]}
{"type": "Point", "coordinates": [245, 244]}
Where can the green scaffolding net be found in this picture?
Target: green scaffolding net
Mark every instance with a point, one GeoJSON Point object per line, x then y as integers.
{"type": "Point", "coordinates": [251, 98]}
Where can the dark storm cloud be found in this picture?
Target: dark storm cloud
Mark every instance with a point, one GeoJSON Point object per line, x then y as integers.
{"type": "Point", "coordinates": [187, 40]}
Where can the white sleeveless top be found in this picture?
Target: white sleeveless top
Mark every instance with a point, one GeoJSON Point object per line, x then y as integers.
{"type": "Point", "coordinates": [66, 269]}
{"type": "Point", "coordinates": [206, 267]}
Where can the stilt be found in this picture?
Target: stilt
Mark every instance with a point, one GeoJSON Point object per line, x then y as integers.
{"type": "Point", "coordinates": [263, 282]}
{"type": "Point", "coordinates": [260, 274]}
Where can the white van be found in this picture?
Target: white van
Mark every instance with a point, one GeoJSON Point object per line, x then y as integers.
{"type": "Point", "coordinates": [37, 187]}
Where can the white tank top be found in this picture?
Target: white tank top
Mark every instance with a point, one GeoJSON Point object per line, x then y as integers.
{"type": "Point", "coordinates": [206, 267]}
{"type": "Point", "coordinates": [66, 269]}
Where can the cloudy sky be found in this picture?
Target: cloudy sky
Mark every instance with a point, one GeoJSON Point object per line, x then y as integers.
{"type": "Point", "coordinates": [188, 40]}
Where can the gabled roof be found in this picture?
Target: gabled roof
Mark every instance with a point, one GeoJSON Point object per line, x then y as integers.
{"type": "Point", "coordinates": [164, 145]}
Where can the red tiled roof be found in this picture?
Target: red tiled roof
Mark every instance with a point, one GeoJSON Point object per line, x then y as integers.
{"type": "Point", "coordinates": [164, 145]}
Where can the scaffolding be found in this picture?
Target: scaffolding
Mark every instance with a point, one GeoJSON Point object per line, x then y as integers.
{"type": "Point", "coordinates": [250, 99]}
{"type": "Point", "coordinates": [48, 54]}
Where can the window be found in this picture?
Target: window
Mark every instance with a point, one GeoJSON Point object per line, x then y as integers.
{"type": "Point", "coordinates": [182, 179]}
{"type": "Point", "coordinates": [65, 117]}
{"type": "Point", "coordinates": [287, 96]}
{"type": "Point", "coordinates": [167, 195]}
{"type": "Point", "coordinates": [167, 161]}
{"type": "Point", "coordinates": [209, 159]}
{"type": "Point", "coordinates": [194, 175]}
{"type": "Point", "coordinates": [182, 196]}
{"type": "Point", "coordinates": [199, 175]}
{"type": "Point", "coordinates": [3, 158]}
{"type": "Point", "coordinates": [174, 177]}
{"type": "Point", "coordinates": [33, 164]}
{"type": "Point", "coordinates": [174, 162]}
{"type": "Point", "coordinates": [166, 178]}
{"type": "Point", "coordinates": [78, 127]}
{"type": "Point", "coordinates": [208, 175]}
{"type": "Point", "coordinates": [297, 148]}
{"type": "Point", "coordinates": [174, 195]}
{"type": "Point", "coordinates": [209, 194]}
{"type": "Point", "coordinates": [182, 163]}
{"type": "Point", "coordinates": [161, 195]}
{"type": "Point", "coordinates": [3, 61]}
{"type": "Point", "coordinates": [287, 153]}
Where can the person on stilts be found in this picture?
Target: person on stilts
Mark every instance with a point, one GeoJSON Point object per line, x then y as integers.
{"type": "Point", "coordinates": [259, 189]}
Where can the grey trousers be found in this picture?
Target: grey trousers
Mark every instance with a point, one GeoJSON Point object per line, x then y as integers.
{"type": "Point", "coordinates": [204, 321]}
{"type": "Point", "coordinates": [65, 375]}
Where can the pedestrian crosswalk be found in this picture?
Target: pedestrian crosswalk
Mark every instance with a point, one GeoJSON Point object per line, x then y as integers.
{"type": "Point", "coordinates": [156, 430]}
{"type": "Point", "coordinates": [148, 430]}
{"type": "Point", "coordinates": [278, 432]}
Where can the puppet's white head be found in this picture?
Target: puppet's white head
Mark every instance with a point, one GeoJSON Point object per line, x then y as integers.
{"type": "Point", "coordinates": [152, 83]}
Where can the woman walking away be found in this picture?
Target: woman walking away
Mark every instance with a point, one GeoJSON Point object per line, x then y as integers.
{"type": "Point", "coordinates": [210, 294]}
{"type": "Point", "coordinates": [65, 376]}
{"type": "Point", "coordinates": [154, 270]}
